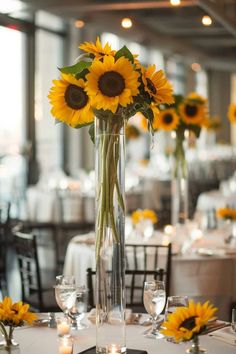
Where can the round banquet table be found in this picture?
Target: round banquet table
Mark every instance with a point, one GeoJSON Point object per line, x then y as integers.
{"type": "Point", "coordinates": [214, 199]}
{"type": "Point", "coordinates": [38, 340]}
{"type": "Point", "coordinates": [206, 275]}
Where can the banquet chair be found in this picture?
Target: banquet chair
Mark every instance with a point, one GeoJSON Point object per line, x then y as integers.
{"type": "Point", "coordinates": [134, 284]}
{"type": "Point", "coordinates": [5, 233]}
{"type": "Point", "coordinates": [39, 298]}
{"type": "Point", "coordinates": [150, 257]}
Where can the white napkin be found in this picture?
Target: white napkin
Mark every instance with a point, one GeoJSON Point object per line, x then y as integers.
{"type": "Point", "coordinates": [225, 334]}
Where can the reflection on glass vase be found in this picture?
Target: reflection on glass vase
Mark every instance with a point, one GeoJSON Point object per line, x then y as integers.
{"type": "Point", "coordinates": [110, 221]}
{"type": "Point", "coordinates": [179, 184]}
{"type": "Point", "coordinates": [9, 346]}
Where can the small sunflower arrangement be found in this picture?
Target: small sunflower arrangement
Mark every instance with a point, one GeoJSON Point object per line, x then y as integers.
{"type": "Point", "coordinates": [226, 213]}
{"type": "Point", "coordinates": [186, 114]}
{"type": "Point", "coordinates": [144, 214]}
{"type": "Point", "coordinates": [187, 323]}
{"type": "Point", "coordinates": [13, 315]}
{"type": "Point", "coordinates": [112, 86]}
{"type": "Point", "coordinates": [232, 113]}
{"type": "Point", "coordinates": [212, 123]}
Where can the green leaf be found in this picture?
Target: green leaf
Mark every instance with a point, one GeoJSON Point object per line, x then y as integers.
{"type": "Point", "coordinates": [75, 69]}
{"type": "Point", "coordinates": [82, 74]}
{"type": "Point", "coordinates": [124, 52]}
{"type": "Point", "coordinates": [82, 125]}
{"type": "Point", "coordinates": [92, 132]}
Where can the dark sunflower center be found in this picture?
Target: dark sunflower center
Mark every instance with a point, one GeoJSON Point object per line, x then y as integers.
{"type": "Point", "coordinates": [168, 118]}
{"type": "Point", "coordinates": [111, 84]}
{"type": "Point", "coordinates": [190, 110]}
{"type": "Point", "coordinates": [151, 86]}
{"type": "Point", "coordinates": [75, 97]}
{"type": "Point", "coordinates": [189, 323]}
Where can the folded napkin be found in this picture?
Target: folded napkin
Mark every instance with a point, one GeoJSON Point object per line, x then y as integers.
{"type": "Point", "coordinates": [226, 334]}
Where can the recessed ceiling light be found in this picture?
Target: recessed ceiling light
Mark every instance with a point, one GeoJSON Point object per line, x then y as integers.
{"type": "Point", "coordinates": [126, 22]}
{"type": "Point", "coordinates": [206, 20]}
{"type": "Point", "coordinates": [196, 67]}
{"type": "Point", "coordinates": [79, 24]}
{"type": "Point", "coordinates": [175, 2]}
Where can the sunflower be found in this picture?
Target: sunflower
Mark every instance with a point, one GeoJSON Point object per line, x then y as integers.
{"type": "Point", "coordinates": [70, 101]}
{"type": "Point", "coordinates": [194, 96]}
{"type": "Point", "coordinates": [232, 113]}
{"type": "Point", "coordinates": [131, 132]}
{"type": "Point", "coordinates": [167, 120]}
{"type": "Point", "coordinates": [15, 313]}
{"type": "Point", "coordinates": [186, 322]}
{"type": "Point", "coordinates": [226, 213]}
{"type": "Point", "coordinates": [192, 113]}
{"type": "Point", "coordinates": [144, 214]}
{"type": "Point", "coordinates": [156, 85]}
{"type": "Point", "coordinates": [112, 83]}
{"type": "Point", "coordinates": [97, 50]}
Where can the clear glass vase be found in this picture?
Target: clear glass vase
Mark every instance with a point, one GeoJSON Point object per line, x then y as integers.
{"type": "Point", "coordinates": [110, 221]}
{"type": "Point", "coordinates": [195, 347]}
{"type": "Point", "coordinates": [179, 185]}
{"type": "Point", "coordinates": [8, 345]}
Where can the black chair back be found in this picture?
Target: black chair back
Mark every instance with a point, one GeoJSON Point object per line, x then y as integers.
{"type": "Point", "coordinates": [150, 257]}
{"type": "Point", "coordinates": [134, 280]}
{"type": "Point", "coordinates": [27, 255]}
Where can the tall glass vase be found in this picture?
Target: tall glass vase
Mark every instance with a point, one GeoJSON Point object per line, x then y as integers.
{"type": "Point", "coordinates": [179, 184]}
{"type": "Point", "coordinates": [110, 221]}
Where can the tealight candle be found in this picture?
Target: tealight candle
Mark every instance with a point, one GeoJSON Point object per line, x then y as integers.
{"type": "Point", "coordinates": [66, 345]}
{"type": "Point", "coordinates": [113, 349]}
{"type": "Point", "coordinates": [63, 326]}
{"type": "Point", "coordinates": [168, 229]}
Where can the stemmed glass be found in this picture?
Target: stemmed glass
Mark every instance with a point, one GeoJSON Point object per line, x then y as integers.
{"type": "Point", "coordinates": [79, 308]}
{"type": "Point", "coordinates": [65, 292]}
{"type": "Point", "coordinates": [154, 298]}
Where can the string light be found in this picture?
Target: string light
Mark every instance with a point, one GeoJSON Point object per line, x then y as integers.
{"type": "Point", "coordinates": [79, 24]}
{"type": "Point", "coordinates": [196, 67]}
{"type": "Point", "coordinates": [126, 22]}
{"type": "Point", "coordinates": [206, 20]}
{"type": "Point", "coordinates": [175, 2]}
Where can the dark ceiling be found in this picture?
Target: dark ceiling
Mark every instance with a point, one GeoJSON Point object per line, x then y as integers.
{"type": "Point", "coordinates": [159, 23]}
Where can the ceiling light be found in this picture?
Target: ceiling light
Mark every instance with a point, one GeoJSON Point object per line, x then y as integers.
{"type": "Point", "coordinates": [175, 2]}
{"type": "Point", "coordinates": [79, 24]}
{"type": "Point", "coordinates": [126, 22]}
{"type": "Point", "coordinates": [206, 20]}
{"type": "Point", "coordinates": [196, 67]}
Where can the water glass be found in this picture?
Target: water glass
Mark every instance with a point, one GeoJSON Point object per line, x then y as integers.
{"type": "Point", "coordinates": [173, 302]}
{"type": "Point", "coordinates": [233, 320]}
{"type": "Point", "coordinates": [79, 308]}
{"type": "Point", "coordinates": [154, 298]}
{"type": "Point", "coordinates": [65, 292]}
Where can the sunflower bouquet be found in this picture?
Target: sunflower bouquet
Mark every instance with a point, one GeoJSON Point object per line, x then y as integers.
{"type": "Point", "coordinates": [186, 114]}
{"type": "Point", "coordinates": [13, 315]}
{"type": "Point", "coordinates": [111, 86]}
{"type": "Point", "coordinates": [187, 323]}
{"type": "Point", "coordinates": [144, 214]}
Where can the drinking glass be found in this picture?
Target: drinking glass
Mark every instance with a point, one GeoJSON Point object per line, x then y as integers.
{"type": "Point", "coordinates": [79, 308]}
{"type": "Point", "coordinates": [154, 298]}
{"type": "Point", "coordinates": [65, 292]}
{"type": "Point", "coordinates": [172, 303]}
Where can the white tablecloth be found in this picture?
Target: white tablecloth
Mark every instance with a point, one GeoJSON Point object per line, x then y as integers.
{"type": "Point", "coordinates": [202, 276]}
{"type": "Point", "coordinates": [44, 341]}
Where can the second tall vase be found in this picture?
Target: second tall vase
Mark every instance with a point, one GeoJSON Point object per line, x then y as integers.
{"type": "Point", "coordinates": [110, 221]}
{"type": "Point", "coordinates": [179, 184]}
